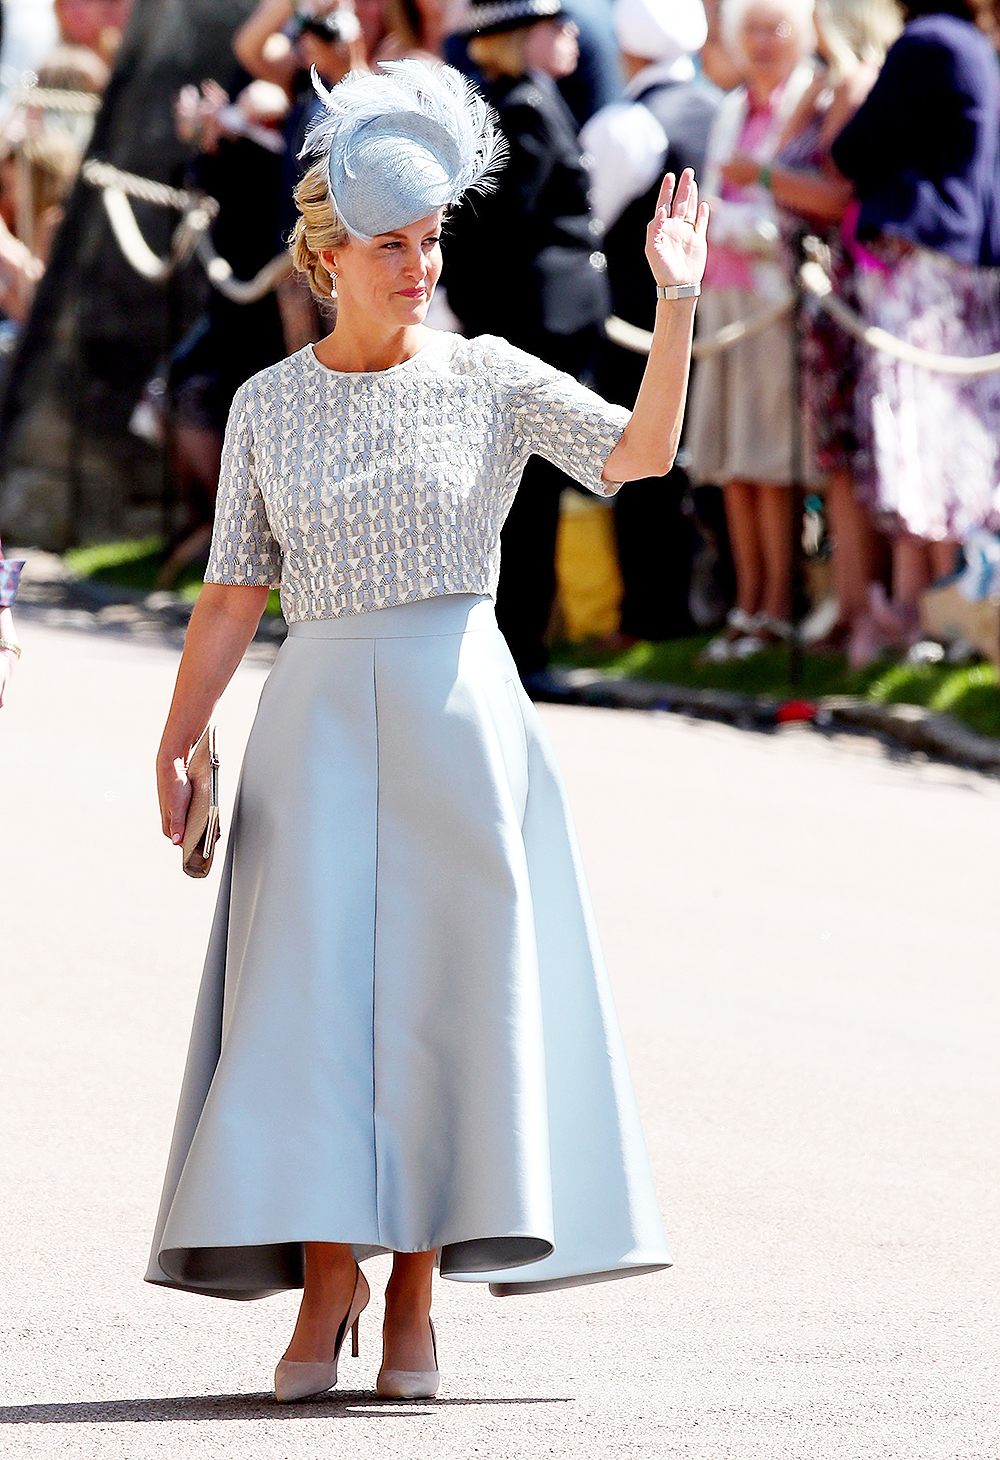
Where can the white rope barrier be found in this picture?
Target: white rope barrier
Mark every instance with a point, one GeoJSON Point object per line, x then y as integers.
{"type": "Point", "coordinates": [129, 238]}
{"type": "Point", "coordinates": [198, 212]}
{"type": "Point", "coordinates": [128, 235]}
{"type": "Point", "coordinates": [220, 274]}
{"type": "Point", "coordinates": [628, 336]}
{"type": "Point", "coordinates": [104, 175]}
{"type": "Point", "coordinates": [631, 337]}
{"type": "Point", "coordinates": [53, 99]}
{"type": "Point", "coordinates": [743, 329]}
{"type": "Point", "coordinates": [816, 282]}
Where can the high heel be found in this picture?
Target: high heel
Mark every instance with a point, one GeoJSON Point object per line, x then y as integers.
{"type": "Point", "coordinates": [294, 1380]}
{"type": "Point", "coordinates": [410, 1383]}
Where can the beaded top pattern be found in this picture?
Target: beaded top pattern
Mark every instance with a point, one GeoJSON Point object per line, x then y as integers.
{"type": "Point", "coordinates": [353, 492]}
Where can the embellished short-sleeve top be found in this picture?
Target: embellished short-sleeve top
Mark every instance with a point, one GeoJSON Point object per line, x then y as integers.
{"type": "Point", "coordinates": [356, 491]}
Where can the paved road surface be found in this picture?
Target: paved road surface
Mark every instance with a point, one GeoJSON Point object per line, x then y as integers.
{"type": "Point", "coordinates": [804, 942]}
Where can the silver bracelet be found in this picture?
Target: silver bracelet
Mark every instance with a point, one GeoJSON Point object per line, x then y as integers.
{"type": "Point", "coordinates": [678, 291]}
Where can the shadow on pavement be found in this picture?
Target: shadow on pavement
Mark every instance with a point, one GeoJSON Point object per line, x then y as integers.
{"type": "Point", "coordinates": [348, 1404]}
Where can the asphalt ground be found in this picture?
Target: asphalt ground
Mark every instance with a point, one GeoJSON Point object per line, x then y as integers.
{"type": "Point", "coordinates": [803, 938]}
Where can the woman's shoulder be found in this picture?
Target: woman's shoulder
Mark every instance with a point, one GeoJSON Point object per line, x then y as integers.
{"type": "Point", "coordinates": [943, 56]}
{"type": "Point", "coordinates": [733, 104]}
{"type": "Point", "coordinates": [728, 119]}
{"type": "Point", "coordinates": [495, 359]}
{"type": "Point", "coordinates": [926, 34]}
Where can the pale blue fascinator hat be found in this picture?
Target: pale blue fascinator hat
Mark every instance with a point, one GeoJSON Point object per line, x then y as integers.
{"type": "Point", "coordinates": [401, 143]}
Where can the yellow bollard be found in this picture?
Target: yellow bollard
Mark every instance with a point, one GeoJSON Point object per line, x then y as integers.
{"type": "Point", "coordinates": [589, 580]}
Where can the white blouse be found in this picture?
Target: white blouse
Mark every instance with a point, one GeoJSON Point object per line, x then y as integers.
{"type": "Point", "coordinates": [355, 491]}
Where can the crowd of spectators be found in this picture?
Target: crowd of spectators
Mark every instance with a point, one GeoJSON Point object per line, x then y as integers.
{"type": "Point", "coordinates": [870, 128]}
{"type": "Point", "coordinates": [46, 115]}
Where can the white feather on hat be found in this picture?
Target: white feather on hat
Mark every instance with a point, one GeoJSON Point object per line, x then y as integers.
{"type": "Point", "coordinates": [401, 143]}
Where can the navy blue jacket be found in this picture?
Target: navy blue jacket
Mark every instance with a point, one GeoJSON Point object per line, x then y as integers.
{"type": "Point", "coordinates": [923, 151]}
{"type": "Point", "coordinates": [520, 262]}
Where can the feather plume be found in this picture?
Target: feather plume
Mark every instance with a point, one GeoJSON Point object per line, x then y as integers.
{"type": "Point", "coordinates": [409, 94]}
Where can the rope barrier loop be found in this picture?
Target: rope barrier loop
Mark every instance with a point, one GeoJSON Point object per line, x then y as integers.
{"type": "Point", "coordinates": [138, 254]}
{"type": "Point", "coordinates": [220, 274]}
{"type": "Point", "coordinates": [198, 213]}
{"type": "Point", "coordinates": [627, 336]}
{"type": "Point", "coordinates": [816, 282]}
{"type": "Point", "coordinates": [54, 99]}
{"type": "Point", "coordinates": [104, 175]}
{"type": "Point", "coordinates": [631, 337]}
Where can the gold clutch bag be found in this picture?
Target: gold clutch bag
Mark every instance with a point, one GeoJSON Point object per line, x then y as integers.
{"type": "Point", "coordinates": [201, 830]}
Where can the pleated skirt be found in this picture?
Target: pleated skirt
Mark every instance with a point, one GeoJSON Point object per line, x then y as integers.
{"type": "Point", "coordinates": [405, 1038]}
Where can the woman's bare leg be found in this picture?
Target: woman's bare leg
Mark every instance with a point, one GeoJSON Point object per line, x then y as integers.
{"type": "Point", "coordinates": [911, 575]}
{"type": "Point", "coordinates": [942, 556]}
{"type": "Point", "coordinates": [774, 511]}
{"type": "Point", "coordinates": [916, 564]}
{"type": "Point", "coordinates": [853, 547]}
{"type": "Point", "coordinates": [744, 540]}
{"type": "Point", "coordinates": [407, 1334]}
{"type": "Point", "coordinates": [330, 1274]}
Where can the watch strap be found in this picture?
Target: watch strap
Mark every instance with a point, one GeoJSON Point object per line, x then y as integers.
{"type": "Point", "coordinates": [678, 291]}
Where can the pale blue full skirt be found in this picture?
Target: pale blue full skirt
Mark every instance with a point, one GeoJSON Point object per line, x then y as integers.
{"type": "Point", "coordinates": [405, 1038]}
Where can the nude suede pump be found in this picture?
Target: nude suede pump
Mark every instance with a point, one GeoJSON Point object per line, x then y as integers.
{"type": "Point", "coordinates": [407, 1383]}
{"type": "Point", "coordinates": [294, 1380]}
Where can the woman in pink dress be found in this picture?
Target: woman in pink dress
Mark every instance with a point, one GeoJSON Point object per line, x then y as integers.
{"type": "Point", "coordinates": [741, 405]}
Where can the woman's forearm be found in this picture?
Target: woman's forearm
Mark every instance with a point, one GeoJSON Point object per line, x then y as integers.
{"type": "Point", "coordinates": [20, 272]}
{"type": "Point", "coordinates": [224, 620]}
{"type": "Point", "coordinates": [250, 43]}
{"type": "Point", "coordinates": [676, 250]}
{"type": "Point", "coordinates": [650, 440]}
{"type": "Point", "coordinates": [822, 197]}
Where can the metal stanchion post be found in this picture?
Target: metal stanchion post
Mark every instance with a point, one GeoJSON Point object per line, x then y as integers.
{"type": "Point", "coordinates": [74, 445]}
{"type": "Point", "coordinates": [168, 482]}
{"type": "Point", "coordinates": [797, 463]}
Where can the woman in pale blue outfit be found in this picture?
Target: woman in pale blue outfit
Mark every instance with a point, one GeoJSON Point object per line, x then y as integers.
{"type": "Point", "coordinates": [405, 1039]}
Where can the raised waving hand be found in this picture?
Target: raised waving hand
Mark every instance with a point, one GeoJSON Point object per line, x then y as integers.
{"type": "Point", "coordinates": [676, 242]}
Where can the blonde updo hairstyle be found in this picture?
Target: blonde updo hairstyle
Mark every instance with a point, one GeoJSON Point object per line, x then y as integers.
{"type": "Point", "coordinates": [318, 227]}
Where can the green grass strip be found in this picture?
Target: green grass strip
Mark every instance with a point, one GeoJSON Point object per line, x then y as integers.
{"type": "Point", "coordinates": [970, 692]}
